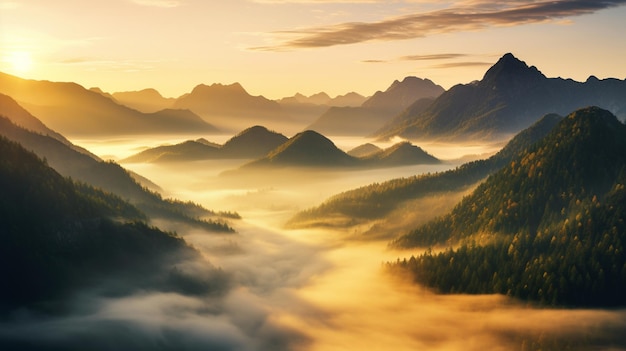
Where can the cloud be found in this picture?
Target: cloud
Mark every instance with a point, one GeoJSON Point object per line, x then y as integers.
{"type": "Point", "coordinates": [467, 16]}
{"type": "Point", "coordinates": [435, 57]}
{"type": "Point", "coordinates": [374, 61]}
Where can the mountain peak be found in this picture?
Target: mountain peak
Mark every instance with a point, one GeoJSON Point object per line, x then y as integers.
{"type": "Point", "coordinates": [408, 81]}
{"type": "Point", "coordinates": [509, 65]}
{"type": "Point", "coordinates": [311, 149]}
{"type": "Point", "coordinates": [400, 95]}
{"type": "Point", "coordinates": [253, 142]}
{"type": "Point", "coordinates": [596, 115]}
{"type": "Point", "coordinates": [219, 87]}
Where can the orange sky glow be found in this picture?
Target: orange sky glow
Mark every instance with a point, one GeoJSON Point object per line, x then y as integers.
{"type": "Point", "coordinates": [276, 48]}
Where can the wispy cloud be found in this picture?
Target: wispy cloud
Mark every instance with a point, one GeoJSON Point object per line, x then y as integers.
{"type": "Point", "coordinates": [431, 57]}
{"type": "Point", "coordinates": [470, 15]}
{"type": "Point", "coordinates": [158, 3]}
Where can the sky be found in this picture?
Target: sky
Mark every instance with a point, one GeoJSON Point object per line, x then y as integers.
{"type": "Point", "coordinates": [277, 48]}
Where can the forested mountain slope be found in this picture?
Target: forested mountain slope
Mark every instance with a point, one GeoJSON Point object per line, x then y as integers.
{"type": "Point", "coordinates": [58, 238]}
{"type": "Point", "coordinates": [108, 176]}
{"type": "Point", "coordinates": [547, 227]}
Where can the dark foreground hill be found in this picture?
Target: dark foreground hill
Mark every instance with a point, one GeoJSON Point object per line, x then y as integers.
{"type": "Point", "coordinates": [549, 227]}
{"type": "Point", "coordinates": [378, 200]}
{"type": "Point", "coordinates": [60, 238]}
{"type": "Point", "coordinates": [508, 99]}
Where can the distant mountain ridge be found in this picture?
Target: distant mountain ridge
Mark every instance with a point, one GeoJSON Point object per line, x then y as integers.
{"type": "Point", "coordinates": [364, 150]}
{"type": "Point", "coordinates": [403, 153]}
{"type": "Point", "coordinates": [253, 142]}
{"type": "Point", "coordinates": [377, 110]}
{"type": "Point", "coordinates": [24, 119]}
{"type": "Point", "coordinates": [146, 100]}
{"type": "Point", "coordinates": [231, 107]}
{"type": "Point", "coordinates": [312, 149]}
{"type": "Point", "coordinates": [73, 110]}
{"type": "Point", "coordinates": [350, 99]}
{"type": "Point", "coordinates": [508, 99]}
{"type": "Point", "coordinates": [305, 149]}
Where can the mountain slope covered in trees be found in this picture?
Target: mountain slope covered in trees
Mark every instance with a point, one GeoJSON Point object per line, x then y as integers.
{"type": "Point", "coordinates": [59, 238]}
{"type": "Point", "coordinates": [548, 227]}
{"type": "Point", "coordinates": [108, 176]}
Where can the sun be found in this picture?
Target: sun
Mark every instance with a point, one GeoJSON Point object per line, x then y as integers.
{"type": "Point", "coordinates": [20, 61]}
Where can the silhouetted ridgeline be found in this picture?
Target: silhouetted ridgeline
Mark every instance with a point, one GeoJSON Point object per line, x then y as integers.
{"type": "Point", "coordinates": [548, 227]}
{"type": "Point", "coordinates": [508, 99]}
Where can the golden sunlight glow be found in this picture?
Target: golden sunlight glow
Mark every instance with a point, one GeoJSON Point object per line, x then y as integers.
{"type": "Point", "coordinates": [20, 61]}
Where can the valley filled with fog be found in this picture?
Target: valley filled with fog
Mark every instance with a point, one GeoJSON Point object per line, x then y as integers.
{"type": "Point", "coordinates": [316, 288]}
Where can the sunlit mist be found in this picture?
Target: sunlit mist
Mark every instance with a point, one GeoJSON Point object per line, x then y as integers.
{"type": "Point", "coordinates": [20, 62]}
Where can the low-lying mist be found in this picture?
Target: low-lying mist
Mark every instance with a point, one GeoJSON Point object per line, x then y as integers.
{"type": "Point", "coordinates": [308, 290]}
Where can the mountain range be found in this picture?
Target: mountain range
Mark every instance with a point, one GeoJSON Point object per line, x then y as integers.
{"type": "Point", "coordinates": [548, 227]}
{"type": "Point", "coordinates": [73, 110]}
{"type": "Point", "coordinates": [377, 110]}
{"type": "Point", "coordinates": [231, 107]}
{"type": "Point", "coordinates": [253, 142]}
{"type": "Point", "coordinates": [508, 99]}
{"type": "Point", "coordinates": [312, 149]}
{"type": "Point", "coordinates": [146, 100]}
{"type": "Point", "coordinates": [349, 99]}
